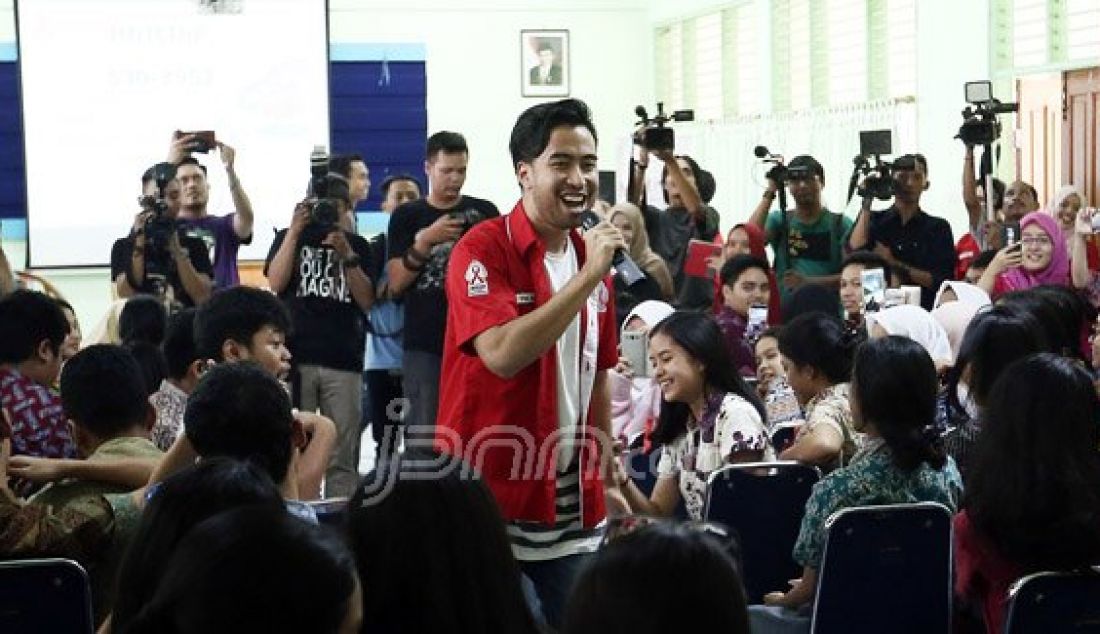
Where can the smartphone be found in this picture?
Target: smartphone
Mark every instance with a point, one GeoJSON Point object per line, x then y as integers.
{"type": "Point", "coordinates": [635, 346]}
{"type": "Point", "coordinates": [33, 590]}
{"type": "Point", "coordinates": [757, 315]}
{"type": "Point", "coordinates": [1010, 234]}
{"type": "Point", "coordinates": [874, 289]}
{"type": "Point", "coordinates": [204, 141]}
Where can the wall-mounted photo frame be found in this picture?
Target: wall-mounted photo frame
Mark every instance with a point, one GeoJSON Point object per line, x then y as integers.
{"type": "Point", "coordinates": [544, 63]}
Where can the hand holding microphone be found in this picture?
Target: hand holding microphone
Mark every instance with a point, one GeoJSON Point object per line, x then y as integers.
{"type": "Point", "coordinates": [624, 266]}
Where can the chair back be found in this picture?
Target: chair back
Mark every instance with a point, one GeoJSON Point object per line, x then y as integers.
{"type": "Point", "coordinates": [330, 512]}
{"type": "Point", "coordinates": [886, 569]}
{"type": "Point", "coordinates": [44, 595]}
{"type": "Point", "coordinates": [1054, 602]}
{"type": "Point", "coordinates": [762, 504]}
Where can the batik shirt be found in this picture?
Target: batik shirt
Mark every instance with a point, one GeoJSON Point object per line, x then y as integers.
{"type": "Point", "coordinates": [871, 479]}
{"type": "Point", "coordinates": [38, 425]}
{"type": "Point", "coordinates": [830, 408]}
{"type": "Point", "coordinates": [170, 402]}
{"type": "Point", "coordinates": [695, 455]}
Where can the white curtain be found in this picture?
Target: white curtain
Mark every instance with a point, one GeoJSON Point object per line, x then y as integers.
{"type": "Point", "coordinates": [831, 135]}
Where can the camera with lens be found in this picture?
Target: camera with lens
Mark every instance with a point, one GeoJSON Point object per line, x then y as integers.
{"type": "Point", "coordinates": [327, 190]}
{"type": "Point", "coordinates": [158, 228]}
{"type": "Point", "coordinates": [469, 217]}
{"type": "Point", "coordinates": [878, 175]}
{"type": "Point", "coordinates": [656, 136]}
{"type": "Point", "coordinates": [980, 125]}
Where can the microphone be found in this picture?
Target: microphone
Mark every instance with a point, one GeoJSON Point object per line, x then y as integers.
{"type": "Point", "coordinates": [761, 152]}
{"type": "Point", "coordinates": [625, 267]}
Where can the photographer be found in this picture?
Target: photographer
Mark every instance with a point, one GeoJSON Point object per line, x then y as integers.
{"type": "Point", "coordinates": [918, 247]}
{"type": "Point", "coordinates": [808, 243]}
{"type": "Point", "coordinates": [319, 269]}
{"type": "Point", "coordinates": [223, 235]}
{"type": "Point", "coordinates": [973, 192]}
{"type": "Point", "coordinates": [186, 273]}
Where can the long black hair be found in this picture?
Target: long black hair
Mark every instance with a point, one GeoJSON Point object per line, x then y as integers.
{"type": "Point", "coordinates": [895, 385]}
{"type": "Point", "coordinates": [1060, 312]}
{"type": "Point", "coordinates": [700, 337]}
{"type": "Point", "coordinates": [1034, 484]}
{"type": "Point", "coordinates": [821, 341]}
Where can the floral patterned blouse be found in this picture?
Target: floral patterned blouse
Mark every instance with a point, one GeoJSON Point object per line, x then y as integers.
{"type": "Point", "coordinates": [871, 479]}
{"type": "Point", "coordinates": [830, 408]}
{"type": "Point", "coordinates": [737, 427]}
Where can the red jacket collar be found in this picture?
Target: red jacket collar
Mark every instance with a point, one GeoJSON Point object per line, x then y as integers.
{"type": "Point", "coordinates": [524, 237]}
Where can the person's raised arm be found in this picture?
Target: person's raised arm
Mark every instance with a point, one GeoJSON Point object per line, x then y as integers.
{"type": "Point", "coordinates": [1005, 259]}
{"type": "Point", "coordinates": [243, 219]}
{"type": "Point", "coordinates": [405, 267]}
{"type": "Point", "coordinates": [314, 458]}
{"type": "Point", "coordinates": [508, 348]}
{"type": "Point", "coordinates": [689, 192]}
{"type": "Point", "coordinates": [759, 215]}
{"type": "Point", "coordinates": [198, 285]}
{"type": "Point", "coordinates": [860, 236]}
{"type": "Point", "coordinates": [969, 191]}
{"type": "Point", "coordinates": [1079, 261]}
{"type": "Point", "coordinates": [280, 269]}
{"type": "Point", "coordinates": [639, 162]}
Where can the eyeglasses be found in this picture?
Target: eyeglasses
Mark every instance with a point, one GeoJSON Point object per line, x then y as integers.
{"type": "Point", "coordinates": [1035, 241]}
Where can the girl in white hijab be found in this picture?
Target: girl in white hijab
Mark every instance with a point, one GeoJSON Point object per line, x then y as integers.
{"type": "Point", "coordinates": [963, 292]}
{"type": "Point", "coordinates": [955, 306]}
{"type": "Point", "coordinates": [913, 322]}
{"type": "Point", "coordinates": [636, 401]}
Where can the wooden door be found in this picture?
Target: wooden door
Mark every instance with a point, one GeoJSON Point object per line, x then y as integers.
{"type": "Point", "coordinates": [1080, 133]}
{"type": "Point", "coordinates": [1039, 133]}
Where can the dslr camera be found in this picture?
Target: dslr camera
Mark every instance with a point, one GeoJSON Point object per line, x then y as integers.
{"type": "Point", "coordinates": [327, 190]}
{"type": "Point", "coordinates": [656, 135]}
{"type": "Point", "coordinates": [980, 125]}
{"type": "Point", "coordinates": [159, 227]}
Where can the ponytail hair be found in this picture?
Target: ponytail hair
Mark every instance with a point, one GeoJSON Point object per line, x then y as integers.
{"type": "Point", "coordinates": [895, 385]}
{"type": "Point", "coordinates": [823, 342]}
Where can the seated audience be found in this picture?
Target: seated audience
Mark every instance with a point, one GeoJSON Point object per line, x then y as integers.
{"type": "Point", "coordinates": [1064, 207]}
{"type": "Point", "coordinates": [811, 298]}
{"type": "Point", "coordinates": [1033, 492]}
{"type": "Point", "coordinates": [747, 239]}
{"type": "Point", "coordinates": [894, 403]}
{"type": "Point", "coordinates": [184, 367]}
{"type": "Point", "coordinates": [223, 577]}
{"type": "Point", "coordinates": [709, 416]}
{"type": "Point", "coordinates": [636, 400]}
{"type": "Point", "coordinates": [1063, 316]}
{"type": "Point", "coordinates": [432, 551]}
{"type": "Point", "coordinates": [994, 339]}
{"type": "Point", "coordinates": [961, 292]}
{"type": "Point", "coordinates": [977, 267]}
{"type": "Point", "coordinates": [1038, 258]}
{"type": "Point", "coordinates": [744, 287]}
{"type": "Point", "coordinates": [696, 579]}
{"type": "Point", "coordinates": [141, 327]}
{"type": "Point", "coordinates": [1082, 267]}
{"type": "Point", "coordinates": [913, 322]}
{"type": "Point", "coordinates": [817, 351]}
{"type": "Point", "coordinates": [657, 285]}
{"type": "Point", "coordinates": [851, 282]}
{"type": "Point", "coordinates": [177, 505]}
{"type": "Point", "coordinates": [954, 317]}
{"type": "Point", "coordinates": [780, 401]}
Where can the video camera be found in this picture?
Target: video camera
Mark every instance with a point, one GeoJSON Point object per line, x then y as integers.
{"type": "Point", "coordinates": [159, 227]}
{"type": "Point", "coordinates": [781, 173]}
{"type": "Point", "coordinates": [879, 174]}
{"type": "Point", "coordinates": [655, 135]}
{"type": "Point", "coordinates": [326, 191]}
{"type": "Point", "coordinates": [980, 125]}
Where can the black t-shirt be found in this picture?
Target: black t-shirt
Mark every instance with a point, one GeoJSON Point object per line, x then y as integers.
{"type": "Point", "coordinates": [123, 249]}
{"type": "Point", "coordinates": [425, 299]}
{"type": "Point", "coordinates": [329, 327]}
{"type": "Point", "coordinates": [925, 242]}
{"type": "Point", "coordinates": [669, 232]}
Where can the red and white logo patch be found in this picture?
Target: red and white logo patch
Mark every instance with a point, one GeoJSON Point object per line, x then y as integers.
{"type": "Point", "coordinates": [477, 279]}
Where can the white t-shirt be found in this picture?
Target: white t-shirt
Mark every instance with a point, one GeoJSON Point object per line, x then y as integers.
{"type": "Point", "coordinates": [562, 267]}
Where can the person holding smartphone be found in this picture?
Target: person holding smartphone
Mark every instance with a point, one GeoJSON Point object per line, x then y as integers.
{"type": "Point", "coordinates": [1084, 277]}
{"type": "Point", "coordinates": [746, 290]}
{"type": "Point", "coordinates": [852, 272]}
{"type": "Point", "coordinates": [635, 397]}
{"type": "Point", "coordinates": [1038, 258]}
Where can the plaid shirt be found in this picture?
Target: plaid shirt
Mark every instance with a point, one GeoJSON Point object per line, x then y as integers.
{"type": "Point", "coordinates": [38, 425]}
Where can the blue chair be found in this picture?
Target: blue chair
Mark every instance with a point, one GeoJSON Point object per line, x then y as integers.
{"type": "Point", "coordinates": [762, 504]}
{"type": "Point", "coordinates": [1054, 602]}
{"type": "Point", "coordinates": [642, 468]}
{"type": "Point", "coordinates": [44, 595]}
{"type": "Point", "coordinates": [886, 569]}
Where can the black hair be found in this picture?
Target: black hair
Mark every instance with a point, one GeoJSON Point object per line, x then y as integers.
{"type": "Point", "coordinates": [390, 180]}
{"type": "Point", "coordinates": [1061, 314]}
{"type": "Point", "coordinates": [995, 338]}
{"type": "Point", "coordinates": [698, 583]}
{"type": "Point", "coordinates": [809, 299]}
{"type": "Point", "coordinates": [699, 336]}
{"type": "Point", "coordinates": [906, 160]}
{"type": "Point", "coordinates": [696, 172]}
{"type": "Point", "coordinates": [236, 314]}
{"type": "Point", "coordinates": [447, 142]}
{"type": "Point", "coordinates": [983, 259]}
{"type": "Point", "coordinates": [241, 411]}
{"type": "Point", "coordinates": [869, 260]}
{"type": "Point", "coordinates": [707, 186]}
{"type": "Point", "coordinates": [103, 391]}
{"type": "Point", "coordinates": [341, 163]}
{"type": "Point", "coordinates": [187, 160]}
{"type": "Point", "coordinates": [895, 383]}
{"type": "Point", "coordinates": [735, 266]}
{"type": "Point", "coordinates": [821, 342]}
{"type": "Point", "coordinates": [252, 569]}
{"type": "Point", "coordinates": [531, 133]}
{"type": "Point", "coordinates": [179, 343]}
{"type": "Point", "coordinates": [27, 318]}
{"type": "Point", "coordinates": [772, 332]}
{"type": "Point", "coordinates": [422, 512]}
{"type": "Point", "coordinates": [143, 318]}
{"type": "Point", "coordinates": [150, 358]}
{"type": "Point", "coordinates": [808, 162]}
{"type": "Point", "coordinates": [64, 304]}
{"type": "Point", "coordinates": [180, 502]}
{"type": "Point", "coordinates": [1033, 490]}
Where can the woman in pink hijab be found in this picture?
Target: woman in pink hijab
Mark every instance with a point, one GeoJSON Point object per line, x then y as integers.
{"type": "Point", "coordinates": [1040, 257]}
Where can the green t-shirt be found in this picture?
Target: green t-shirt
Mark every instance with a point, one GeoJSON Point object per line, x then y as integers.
{"type": "Point", "coordinates": [811, 249]}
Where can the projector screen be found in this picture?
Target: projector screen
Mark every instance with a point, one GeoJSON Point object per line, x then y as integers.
{"type": "Point", "coordinates": [105, 83]}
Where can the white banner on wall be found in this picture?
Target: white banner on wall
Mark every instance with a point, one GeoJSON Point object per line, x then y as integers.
{"type": "Point", "coordinates": [105, 83]}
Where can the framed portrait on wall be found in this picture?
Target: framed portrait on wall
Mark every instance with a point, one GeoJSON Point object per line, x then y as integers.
{"type": "Point", "coordinates": [544, 63]}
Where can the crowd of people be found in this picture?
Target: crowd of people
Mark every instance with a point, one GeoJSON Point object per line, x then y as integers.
{"type": "Point", "coordinates": [506, 369]}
